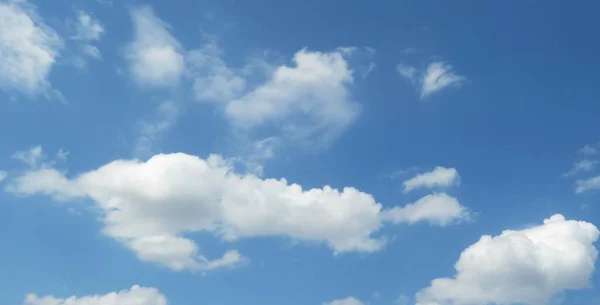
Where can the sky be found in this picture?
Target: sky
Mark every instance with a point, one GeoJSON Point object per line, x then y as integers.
{"type": "Point", "coordinates": [315, 152]}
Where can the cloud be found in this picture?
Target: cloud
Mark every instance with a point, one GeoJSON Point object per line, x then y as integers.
{"type": "Point", "coordinates": [3, 175]}
{"type": "Point", "coordinates": [135, 296]}
{"type": "Point", "coordinates": [28, 48]}
{"type": "Point", "coordinates": [148, 206]}
{"type": "Point", "coordinates": [151, 130]}
{"type": "Point", "coordinates": [31, 157]}
{"type": "Point", "coordinates": [520, 266]}
{"type": "Point", "coordinates": [346, 301]}
{"type": "Point", "coordinates": [213, 80]}
{"type": "Point", "coordinates": [438, 76]}
{"type": "Point", "coordinates": [589, 150]}
{"type": "Point", "coordinates": [582, 186]}
{"type": "Point", "coordinates": [439, 177]}
{"type": "Point", "coordinates": [155, 56]}
{"type": "Point", "coordinates": [582, 166]}
{"type": "Point", "coordinates": [310, 97]}
{"type": "Point", "coordinates": [88, 28]}
{"type": "Point", "coordinates": [408, 72]}
{"type": "Point", "coordinates": [438, 209]}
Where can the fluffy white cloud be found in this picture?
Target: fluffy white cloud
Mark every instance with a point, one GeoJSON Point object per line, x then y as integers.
{"type": "Point", "coordinates": [135, 296]}
{"type": "Point", "coordinates": [149, 205]}
{"type": "Point", "coordinates": [582, 186]}
{"type": "Point", "coordinates": [439, 209]}
{"type": "Point", "coordinates": [310, 97]}
{"type": "Point", "coordinates": [520, 266]}
{"type": "Point", "coordinates": [436, 77]}
{"type": "Point", "coordinates": [439, 177]}
{"type": "Point", "coordinates": [155, 56]}
{"type": "Point", "coordinates": [316, 86]}
{"type": "Point", "coordinates": [346, 301]}
{"type": "Point", "coordinates": [28, 49]}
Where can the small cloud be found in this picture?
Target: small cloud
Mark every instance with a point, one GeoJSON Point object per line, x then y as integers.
{"type": "Point", "coordinates": [151, 130]}
{"type": "Point", "coordinates": [589, 150]}
{"type": "Point", "coordinates": [31, 157]}
{"type": "Point", "coordinates": [346, 301]}
{"type": "Point", "coordinates": [439, 177]}
{"type": "Point", "coordinates": [439, 76]}
{"type": "Point", "coordinates": [3, 175]}
{"type": "Point", "coordinates": [585, 185]}
{"type": "Point", "coordinates": [582, 166]}
{"type": "Point", "coordinates": [437, 209]}
{"type": "Point", "coordinates": [436, 77]}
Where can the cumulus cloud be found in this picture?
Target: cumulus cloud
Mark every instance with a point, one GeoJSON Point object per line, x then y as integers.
{"type": "Point", "coordinates": [439, 177]}
{"type": "Point", "coordinates": [149, 206]}
{"type": "Point", "coordinates": [310, 97]}
{"type": "Point", "coordinates": [438, 76]}
{"type": "Point", "coordinates": [135, 296]}
{"type": "Point", "coordinates": [28, 48]}
{"type": "Point", "coordinates": [520, 266]}
{"type": "Point", "coordinates": [155, 56]}
{"type": "Point", "coordinates": [589, 184]}
{"type": "Point", "coordinates": [346, 301]}
{"type": "Point", "coordinates": [439, 209]}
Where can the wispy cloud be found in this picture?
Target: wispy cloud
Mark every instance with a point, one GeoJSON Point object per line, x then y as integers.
{"type": "Point", "coordinates": [589, 184]}
{"type": "Point", "coordinates": [436, 77]}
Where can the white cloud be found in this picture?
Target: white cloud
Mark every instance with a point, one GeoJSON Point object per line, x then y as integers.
{"type": "Point", "coordinates": [436, 77]}
{"type": "Point", "coordinates": [307, 103]}
{"type": "Point", "coordinates": [588, 150]}
{"type": "Point", "coordinates": [31, 157]}
{"type": "Point", "coordinates": [151, 130]}
{"type": "Point", "coordinates": [439, 209]}
{"type": "Point", "coordinates": [582, 166]}
{"type": "Point", "coordinates": [309, 98]}
{"type": "Point", "coordinates": [408, 72]}
{"type": "Point", "coordinates": [28, 49]}
{"type": "Point", "coordinates": [520, 266]}
{"type": "Point", "coordinates": [155, 56]}
{"type": "Point", "coordinates": [346, 301]}
{"type": "Point", "coordinates": [213, 80]}
{"type": "Point", "coordinates": [88, 28]}
{"type": "Point", "coordinates": [135, 296]}
{"type": "Point", "coordinates": [589, 184]}
{"type": "Point", "coordinates": [439, 177]}
{"type": "Point", "coordinates": [149, 205]}
{"type": "Point", "coordinates": [3, 175]}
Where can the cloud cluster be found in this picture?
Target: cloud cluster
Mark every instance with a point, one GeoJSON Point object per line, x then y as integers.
{"type": "Point", "coordinates": [587, 164]}
{"type": "Point", "coordinates": [306, 99]}
{"type": "Point", "coordinates": [28, 48]}
{"type": "Point", "coordinates": [148, 206]}
{"type": "Point", "coordinates": [135, 296]}
{"type": "Point", "coordinates": [520, 266]}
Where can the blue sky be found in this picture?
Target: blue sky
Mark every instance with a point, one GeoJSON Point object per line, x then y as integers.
{"type": "Point", "coordinates": [277, 152]}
